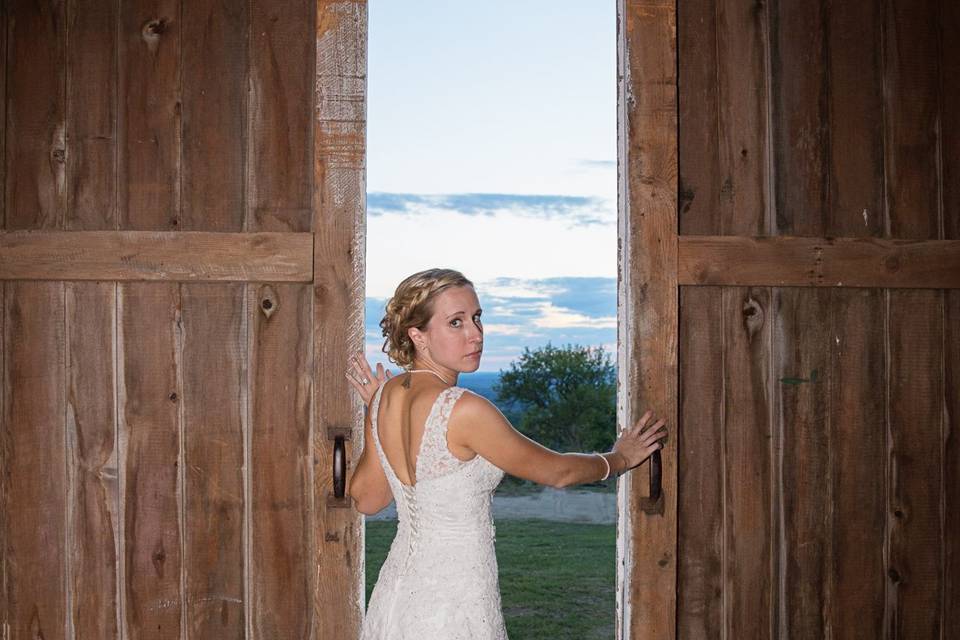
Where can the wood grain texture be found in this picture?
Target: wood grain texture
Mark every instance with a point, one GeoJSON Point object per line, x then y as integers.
{"type": "Point", "coordinates": [33, 456]}
{"type": "Point", "coordinates": [799, 116]}
{"type": "Point", "coordinates": [819, 262]}
{"type": "Point", "coordinates": [213, 78]}
{"type": "Point", "coordinates": [93, 497]}
{"type": "Point", "coordinates": [701, 466]}
{"type": "Point", "coordinates": [281, 576]}
{"type": "Point", "coordinates": [157, 255]}
{"type": "Point", "coordinates": [214, 350]}
{"type": "Point", "coordinates": [857, 454]}
{"type": "Point", "coordinates": [149, 399]}
{"type": "Point", "coordinates": [748, 462]}
{"type": "Point", "coordinates": [339, 197]}
{"type": "Point", "coordinates": [35, 145]}
{"type": "Point", "coordinates": [911, 110]}
{"type": "Point", "coordinates": [951, 461]}
{"type": "Point", "coordinates": [801, 361]}
{"type": "Point", "coordinates": [91, 79]}
{"type": "Point", "coordinates": [915, 483]}
{"type": "Point", "coordinates": [723, 96]}
{"type": "Point", "coordinates": [647, 127]}
{"type": "Point", "coordinates": [150, 112]}
{"type": "Point", "coordinates": [855, 109]}
{"type": "Point", "coordinates": [280, 116]}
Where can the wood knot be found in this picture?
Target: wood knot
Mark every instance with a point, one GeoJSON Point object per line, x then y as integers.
{"type": "Point", "coordinates": [173, 397]}
{"type": "Point", "coordinates": [151, 32]}
{"type": "Point", "coordinates": [158, 558]}
{"type": "Point", "coordinates": [894, 575]}
{"type": "Point", "coordinates": [892, 263]}
{"type": "Point", "coordinates": [753, 316]}
{"type": "Point", "coordinates": [268, 301]}
{"type": "Point", "coordinates": [59, 155]}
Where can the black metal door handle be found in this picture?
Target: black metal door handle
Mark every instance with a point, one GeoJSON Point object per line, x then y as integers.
{"type": "Point", "coordinates": [653, 504]}
{"type": "Point", "coordinates": [339, 467]}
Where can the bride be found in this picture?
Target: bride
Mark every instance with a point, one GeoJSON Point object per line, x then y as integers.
{"type": "Point", "coordinates": [440, 451]}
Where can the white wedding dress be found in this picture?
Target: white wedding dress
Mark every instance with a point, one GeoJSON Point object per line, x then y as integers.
{"type": "Point", "coordinates": [439, 580]}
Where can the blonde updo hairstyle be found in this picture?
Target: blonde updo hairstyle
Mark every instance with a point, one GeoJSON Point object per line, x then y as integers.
{"type": "Point", "coordinates": [412, 306]}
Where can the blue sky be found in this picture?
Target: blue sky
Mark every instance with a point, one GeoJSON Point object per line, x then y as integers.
{"type": "Point", "coordinates": [492, 149]}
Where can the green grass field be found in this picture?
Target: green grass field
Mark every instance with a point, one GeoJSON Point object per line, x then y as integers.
{"type": "Point", "coordinates": [557, 579]}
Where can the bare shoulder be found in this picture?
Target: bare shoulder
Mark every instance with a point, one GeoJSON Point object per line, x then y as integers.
{"type": "Point", "coordinates": [473, 416]}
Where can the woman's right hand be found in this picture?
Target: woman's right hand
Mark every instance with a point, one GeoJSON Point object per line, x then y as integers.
{"type": "Point", "coordinates": [637, 443]}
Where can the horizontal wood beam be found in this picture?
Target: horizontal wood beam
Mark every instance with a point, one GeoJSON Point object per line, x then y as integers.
{"type": "Point", "coordinates": [194, 256]}
{"type": "Point", "coordinates": [789, 261]}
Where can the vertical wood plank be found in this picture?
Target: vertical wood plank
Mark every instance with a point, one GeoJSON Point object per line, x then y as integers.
{"type": "Point", "coordinates": [699, 114]}
{"type": "Point", "coordinates": [149, 408]}
{"type": "Point", "coordinates": [700, 465]}
{"type": "Point", "coordinates": [949, 118]}
{"type": "Point", "coordinates": [915, 481]}
{"type": "Point", "coordinates": [911, 108]}
{"type": "Point", "coordinates": [647, 306]}
{"type": "Point", "coordinates": [92, 459]}
{"type": "Point", "coordinates": [747, 585]}
{"type": "Point", "coordinates": [34, 455]}
{"type": "Point", "coordinates": [339, 228]}
{"type": "Point", "coordinates": [150, 145]}
{"type": "Point", "coordinates": [91, 70]}
{"type": "Point", "coordinates": [855, 100]}
{"type": "Point", "coordinates": [951, 461]}
{"type": "Point", "coordinates": [802, 384]}
{"type": "Point", "coordinates": [857, 456]}
{"type": "Point", "coordinates": [35, 126]}
{"type": "Point", "coordinates": [742, 32]}
{"type": "Point", "coordinates": [801, 136]}
{"type": "Point", "coordinates": [280, 395]}
{"type": "Point", "coordinates": [214, 349]}
{"type": "Point", "coordinates": [214, 72]}
{"type": "Point", "coordinates": [280, 153]}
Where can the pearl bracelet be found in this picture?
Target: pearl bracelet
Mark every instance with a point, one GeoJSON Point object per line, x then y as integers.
{"type": "Point", "coordinates": [606, 462]}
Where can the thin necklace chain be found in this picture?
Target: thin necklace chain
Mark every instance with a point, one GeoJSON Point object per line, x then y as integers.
{"type": "Point", "coordinates": [428, 371]}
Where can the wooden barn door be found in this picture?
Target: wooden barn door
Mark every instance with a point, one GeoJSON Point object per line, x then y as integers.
{"type": "Point", "coordinates": [181, 269]}
{"type": "Point", "coordinates": [790, 266]}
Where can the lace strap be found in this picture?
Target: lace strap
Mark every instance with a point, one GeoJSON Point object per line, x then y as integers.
{"type": "Point", "coordinates": [435, 458]}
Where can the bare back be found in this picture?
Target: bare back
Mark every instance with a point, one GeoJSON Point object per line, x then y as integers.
{"type": "Point", "coordinates": [401, 419]}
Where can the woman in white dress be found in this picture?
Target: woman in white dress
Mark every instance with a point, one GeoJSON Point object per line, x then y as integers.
{"type": "Point", "coordinates": [440, 451]}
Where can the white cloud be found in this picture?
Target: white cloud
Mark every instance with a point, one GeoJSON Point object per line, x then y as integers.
{"type": "Point", "coordinates": [554, 317]}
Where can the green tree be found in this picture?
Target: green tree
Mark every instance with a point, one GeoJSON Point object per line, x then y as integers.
{"type": "Point", "coordinates": [566, 397]}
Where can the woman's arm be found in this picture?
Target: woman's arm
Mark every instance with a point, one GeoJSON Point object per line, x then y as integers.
{"type": "Point", "coordinates": [478, 425]}
{"type": "Point", "coordinates": [368, 485]}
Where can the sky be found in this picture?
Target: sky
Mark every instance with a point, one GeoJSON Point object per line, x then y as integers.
{"type": "Point", "coordinates": [491, 149]}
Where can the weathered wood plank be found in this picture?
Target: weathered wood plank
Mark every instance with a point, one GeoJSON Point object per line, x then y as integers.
{"type": "Point", "coordinates": [281, 577]}
{"type": "Point", "coordinates": [214, 352]}
{"type": "Point", "coordinates": [91, 138]}
{"type": "Point", "coordinates": [34, 441]}
{"type": "Point", "coordinates": [647, 306]}
{"type": "Point", "coordinates": [339, 195]}
{"type": "Point", "coordinates": [214, 73]}
{"type": "Point", "coordinates": [802, 379]}
{"type": "Point", "coordinates": [858, 455]}
{"type": "Point", "coordinates": [150, 111]}
{"type": "Point", "coordinates": [951, 461]}
{"type": "Point", "coordinates": [819, 262]}
{"type": "Point", "coordinates": [35, 124]}
{"type": "Point", "coordinates": [700, 170]}
{"type": "Point", "coordinates": [915, 482]}
{"type": "Point", "coordinates": [280, 115]}
{"type": "Point", "coordinates": [701, 465]}
{"type": "Point", "coordinates": [855, 105]}
{"type": "Point", "coordinates": [33, 454]}
{"type": "Point", "coordinates": [799, 116]}
{"type": "Point", "coordinates": [911, 108]}
{"type": "Point", "coordinates": [94, 549]}
{"type": "Point", "coordinates": [949, 116]}
{"type": "Point", "coordinates": [157, 255]}
{"type": "Point", "coordinates": [149, 429]}
{"type": "Point", "coordinates": [747, 336]}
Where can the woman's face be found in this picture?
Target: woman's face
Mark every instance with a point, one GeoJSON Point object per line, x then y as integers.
{"type": "Point", "coordinates": [454, 335]}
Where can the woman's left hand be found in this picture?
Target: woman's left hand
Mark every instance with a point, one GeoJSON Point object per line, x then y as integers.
{"type": "Point", "coordinates": [361, 376]}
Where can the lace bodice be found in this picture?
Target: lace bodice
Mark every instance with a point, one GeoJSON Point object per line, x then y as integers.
{"type": "Point", "coordinates": [440, 578]}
